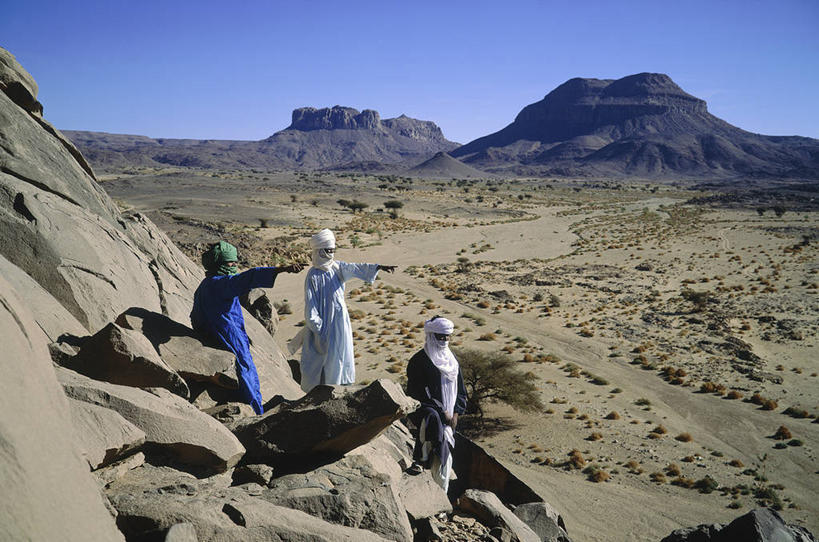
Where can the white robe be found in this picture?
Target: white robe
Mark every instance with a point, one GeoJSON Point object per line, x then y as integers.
{"type": "Point", "coordinates": [327, 351]}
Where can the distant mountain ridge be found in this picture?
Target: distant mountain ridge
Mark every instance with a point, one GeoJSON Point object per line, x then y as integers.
{"type": "Point", "coordinates": [641, 125]}
{"type": "Point", "coordinates": [316, 139]}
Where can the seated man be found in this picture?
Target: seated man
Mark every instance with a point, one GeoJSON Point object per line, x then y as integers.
{"type": "Point", "coordinates": [217, 312]}
{"type": "Point", "coordinates": [434, 378]}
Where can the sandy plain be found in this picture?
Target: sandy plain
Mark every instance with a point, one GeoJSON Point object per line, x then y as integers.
{"type": "Point", "coordinates": [580, 283]}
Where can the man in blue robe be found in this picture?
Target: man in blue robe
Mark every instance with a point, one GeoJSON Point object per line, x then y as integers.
{"type": "Point", "coordinates": [327, 339]}
{"type": "Point", "coordinates": [217, 312]}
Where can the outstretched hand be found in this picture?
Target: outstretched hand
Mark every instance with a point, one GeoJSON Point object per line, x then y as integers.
{"type": "Point", "coordinates": [292, 268]}
{"type": "Point", "coordinates": [387, 268]}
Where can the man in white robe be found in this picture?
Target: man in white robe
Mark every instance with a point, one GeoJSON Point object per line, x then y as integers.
{"type": "Point", "coordinates": [327, 343]}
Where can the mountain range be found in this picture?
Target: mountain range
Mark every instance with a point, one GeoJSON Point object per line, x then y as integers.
{"type": "Point", "coordinates": [642, 125]}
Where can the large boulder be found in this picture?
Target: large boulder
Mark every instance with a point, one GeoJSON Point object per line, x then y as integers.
{"type": "Point", "coordinates": [477, 469]}
{"type": "Point", "coordinates": [326, 423]}
{"type": "Point", "coordinates": [544, 520]}
{"type": "Point", "coordinates": [150, 501]}
{"type": "Point", "coordinates": [422, 496]}
{"type": "Point", "coordinates": [257, 303]}
{"type": "Point", "coordinates": [102, 435]}
{"type": "Point", "coordinates": [171, 425]}
{"type": "Point", "coordinates": [490, 511]}
{"type": "Point", "coordinates": [123, 356]}
{"type": "Point", "coordinates": [182, 348]}
{"type": "Point", "coordinates": [348, 492]}
{"type": "Point", "coordinates": [760, 525]}
{"type": "Point", "coordinates": [48, 492]}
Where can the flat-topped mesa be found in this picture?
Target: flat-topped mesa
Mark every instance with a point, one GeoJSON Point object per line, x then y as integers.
{"type": "Point", "coordinates": [334, 118]}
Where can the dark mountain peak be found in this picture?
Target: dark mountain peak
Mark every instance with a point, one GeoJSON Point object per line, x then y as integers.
{"type": "Point", "coordinates": [333, 118]}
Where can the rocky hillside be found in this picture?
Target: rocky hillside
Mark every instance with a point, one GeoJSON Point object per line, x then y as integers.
{"type": "Point", "coordinates": [643, 125]}
{"type": "Point", "coordinates": [316, 139]}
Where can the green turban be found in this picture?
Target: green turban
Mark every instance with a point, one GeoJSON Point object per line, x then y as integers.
{"type": "Point", "coordinates": [215, 259]}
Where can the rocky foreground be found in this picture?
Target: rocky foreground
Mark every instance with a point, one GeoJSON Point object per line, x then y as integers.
{"type": "Point", "coordinates": [119, 422]}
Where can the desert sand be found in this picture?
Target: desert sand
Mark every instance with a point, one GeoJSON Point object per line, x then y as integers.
{"type": "Point", "coordinates": [581, 283]}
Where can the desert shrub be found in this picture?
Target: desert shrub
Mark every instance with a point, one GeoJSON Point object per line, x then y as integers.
{"type": "Point", "coordinates": [673, 469]}
{"type": "Point", "coordinates": [493, 377]}
{"type": "Point", "coordinates": [657, 477]}
{"type": "Point", "coordinates": [706, 485]}
{"type": "Point", "coordinates": [356, 206]}
{"type": "Point", "coordinates": [682, 481]}
{"type": "Point", "coordinates": [483, 304]}
{"type": "Point", "coordinates": [699, 299]}
{"type": "Point", "coordinates": [594, 436]}
{"type": "Point", "coordinates": [769, 404]}
{"type": "Point", "coordinates": [684, 437]}
{"type": "Point", "coordinates": [599, 380]}
{"type": "Point", "coordinates": [733, 505]}
{"type": "Point", "coordinates": [283, 308]}
{"type": "Point", "coordinates": [393, 204]}
{"type": "Point", "coordinates": [576, 460]}
{"type": "Point", "coordinates": [796, 412]}
{"type": "Point", "coordinates": [596, 474]}
{"type": "Point", "coordinates": [736, 463]}
{"type": "Point", "coordinates": [733, 394]}
{"type": "Point", "coordinates": [783, 433]}
{"type": "Point", "coordinates": [795, 442]}
{"type": "Point", "coordinates": [612, 415]}
{"type": "Point", "coordinates": [660, 430]}
{"type": "Point", "coordinates": [642, 401]}
{"type": "Point", "coordinates": [689, 459]}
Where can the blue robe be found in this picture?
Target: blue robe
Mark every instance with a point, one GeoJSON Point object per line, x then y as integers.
{"type": "Point", "coordinates": [216, 311]}
{"type": "Point", "coordinates": [327, 349]}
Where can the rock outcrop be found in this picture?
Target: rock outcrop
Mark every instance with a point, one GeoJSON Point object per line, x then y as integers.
{"type": "Point", "coordinates": [493, 513]}
{"type": "Point", "coordinates": [50, 494]}
{"type": "Point", "coordinates": [331, 421]}
{"type": "Point", "coordinates": [102, 435]}
{"type": "Point", "coordinates": [172, 425]}
{"type": "Point", "coordinates": [641, 125]}
{"type": "Point", "coordinates": [326, 138]}
{"type": "Point", "coordinates": [760, 525]}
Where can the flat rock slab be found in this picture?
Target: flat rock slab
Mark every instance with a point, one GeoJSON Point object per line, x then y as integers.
{"type": "Point", "coordinates": [182, 348]}
{"type": "Point", "coordinates": [544, 520]}
{"type": "Point", "coordinates": [171, 424]}
{"type": "Point", "coordinates": [490, 511]}
{"type": "Point", "coordinates": [102, 435]}
{"type": "Point", "coordinates": [422, 496]}
{"type": "Point", "coordinates": [151, 502]}
{"type": "Point", "coordinates": [123, 356]}
{"type": "Point", "coordinates": [349, 492]}
{"type": "Point", "coordinates": [326, 423]}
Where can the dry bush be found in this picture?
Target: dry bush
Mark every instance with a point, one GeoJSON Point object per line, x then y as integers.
{"type": "Point", "coordinates": [673, 469]}
{"type": "Point", "coordinates": [576, 460]}
{"type": "Point", "coordinates": [487, 337]}
{"type": "Point", "coordinates": [706, 485]}
{"type": "Point", "coordinates": [682, 481]}
{"type": "Point", "coordinates": [596, 474]}
{"type": "Point", "coordinates": [689, 459]}
{"type": "Point", "coordinates": [684, 437]}
{"type": "Point", "coordinates": [657, 477]}
{"type": "Point", "coordinates": [660, 430]}
{"type": "Point", "coordinates": [612, 415]}
{"type": "Point", "coordinates": [783, 433]}
{"type": "Point", "coordinates": [483, 304]}
{"type": "Point", "coordinates": [733, 394]}
{"type": "Point", "coordinates": [595, 436]}
{"type": "Point", "coordinates": [736, 463]}
{"type": "Point", "coordinates": [796, 412]}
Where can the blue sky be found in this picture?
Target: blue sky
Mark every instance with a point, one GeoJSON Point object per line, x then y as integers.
{"type": "Point", "coordinates": [236, 69]}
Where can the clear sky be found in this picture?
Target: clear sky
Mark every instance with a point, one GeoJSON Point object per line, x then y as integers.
{"type": "Point", "coordinates": [236, 69]}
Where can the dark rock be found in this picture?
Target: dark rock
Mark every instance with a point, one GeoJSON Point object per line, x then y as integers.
{"type": "Point", "coordinates": [332, 420]}
{"type": "Point", "coordinates": [644, 266]}
{"type": "Point", "coordinates": [642, 124]}
{"type": "Point", "coordinates": [544, 521]}
{"type": "Point", "coordinates": [500, 534]}
{"type": "Point", "coordinates": [490, 511]}
{"type": "Point", "coordinates": [760, 525]}
{"type": "Point", "coordinates": [259, 305]}
{"type": "Point", "coordinates": [477, 469]}
{"type": "Point", "coordinates": [172, 425]}
{"type": "Point", "coordinates": [230, 412]}
{"type": "Point", "coordinates": [256, 474]}
{"type": "Point", "coordinates": [125, 357]}
{"type": "Point", "coordinates": [427, 530]}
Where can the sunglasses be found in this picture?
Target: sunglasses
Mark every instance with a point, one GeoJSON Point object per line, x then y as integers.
{"type": "Point", "coordinates": [441, 336]}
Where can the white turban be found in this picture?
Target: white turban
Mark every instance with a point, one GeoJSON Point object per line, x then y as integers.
{"type": "Point", "coordinates": [323, 239]}
{"type": "Point", "coordinates": [319, 242]}
{"type": "Point", "coordinates": [441, 356]}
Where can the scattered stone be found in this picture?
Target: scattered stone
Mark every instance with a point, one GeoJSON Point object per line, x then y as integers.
{"type": "Point", "coordinates": [117, 470]}
{"type": "Point", "coordinates": [327, 422]}
{"type": "Point", "coordinates": [490, 511]}
{"type": "Point", "coordinates": [171, 424]}
{"type": "Point", "coordinates": [123, 356]}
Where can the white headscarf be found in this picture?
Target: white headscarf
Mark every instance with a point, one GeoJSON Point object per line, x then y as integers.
{"type": "Point", "coordinates": [323, 239]}
{"type": "Point", "coordinates": [442, 357]}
